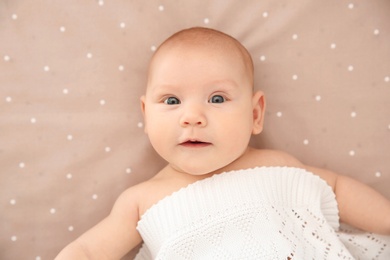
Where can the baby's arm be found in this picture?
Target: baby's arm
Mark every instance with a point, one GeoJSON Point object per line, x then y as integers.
{"type": "Point", "coordinates": [113, 237]}
{"type": "Point", "coordinates": [359, 205]}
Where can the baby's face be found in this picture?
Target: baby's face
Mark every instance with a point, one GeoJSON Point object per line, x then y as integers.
{"type": "Point", "coordinates": [198, 108]}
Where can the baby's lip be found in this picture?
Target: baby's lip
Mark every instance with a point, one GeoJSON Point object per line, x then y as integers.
{"type": "Point", "coordinates": [194, 143]}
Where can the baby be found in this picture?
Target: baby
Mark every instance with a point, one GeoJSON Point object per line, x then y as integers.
{"type": "Point", "coordinates": [218, 198]}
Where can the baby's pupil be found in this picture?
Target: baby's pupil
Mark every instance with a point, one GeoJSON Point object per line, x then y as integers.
{"type": "Point", "coordinates": [217, 99]}
{"type": "Point", "coordinates": [172, 101]}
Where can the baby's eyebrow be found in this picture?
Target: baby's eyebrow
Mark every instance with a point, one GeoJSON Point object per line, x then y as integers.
{"type": "Point", "coordinates": [226, 83]}
{"type": "Point", "coordinates": [164, 88]}
{"type": "Point", "coordinates": [159, 90]}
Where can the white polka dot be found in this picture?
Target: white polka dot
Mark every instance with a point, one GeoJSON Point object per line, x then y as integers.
{"type": "Point", "coordinates": [102, 102]}
{"type": "Point", "coordinates": [69, 176]}
{"type": "Point", "coordinates": [46, 68]}
{"type": "Point", "coordinates": [38, 258]}
{"type": "Point", "coordinates": [101, 2]}
{"type": "Point", "coordinates": [62, 29]}
{"type": "Point", "coordinates": [53, 211]}
{"type": "Point", "coordinates": [121, 68]}
{"type": "Point", "coordinates": [14, 16]}
{"type": "Point", "coordinates": [350, 68]}
{"type": "Point", "coordinates": [70, 228]}
{"type": "Point", "coordinates": [65, 91]}
{"type": "Point", "coordinates": [206, 20]}
{"type": "Point", "coordinates": [262, 58]}
{"type": "Point", "coordinates": [333, 46]}
{"type": "Point", "coordinates": [94, 196]}
{"type": "Point", "coordinates": [318, 98]}
{"type": "Point", "coordinates": [295, 77]}
{"type": "Point", "coordinates": [279, 114]}
{"type": "Point", "coordinates": [294, 36]}
{"type": "Point", "coordinates": [14, 238]}
{"type": "Point", "coordinates": [161, 8]}
{"type": "Point", "coordinates": [351, 5]}
{"type": "Point", "coordinates": [387, 79]}
{"type": "Point", "coordinates": [22, 165]}
{"type": "Point", "coordinates": [378, 174]}
{"type": "Point", "coordinates": [376, 32]}
{"type": "Point", "coordinates": [153, 48]}
{"type": "Point", "coordinates": [122, 25]}
{"type": "Point", "coordinates": [107, 149]}
{"type": "Point", "coordinates": [33, 120]}
{"type": "Point", "coordinates": [388, 127]}
{"type": "Point", "coordinates": [89, 55]}
{"type": "Point", "coordinates": [140, 124]}
{"type": "Point", "coordinates": [352, 153]}
{"type": "Point", "coordinates": [128, 170]}
{"type": "Point", "coordinates": [7, 58]}
{"type": "Point", "coordinates": [12, 202]}
{"type": "Point", "coordinates": [265, 14]}
{"type": "Point", "coordinates": [353, 114]}
{"type": "Point", "coordinates": [305, 142]}
{"type": "Point", "coordinates": [69, 137]}
{"type": "Point", "coordinates": [8, 99]}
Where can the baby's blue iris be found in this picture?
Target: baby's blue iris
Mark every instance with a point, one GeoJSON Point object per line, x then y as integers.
{"type": "Point", "coordinates": [217, 99]}
{"type": "Point", "coordinates": [172, 101]}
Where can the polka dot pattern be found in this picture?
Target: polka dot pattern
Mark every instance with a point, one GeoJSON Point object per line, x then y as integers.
{"type": "Point", "coordinates": [71, 128]}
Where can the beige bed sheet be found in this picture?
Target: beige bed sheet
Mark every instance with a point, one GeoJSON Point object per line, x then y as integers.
{"type": "Point", "coordinates": [71, 73]}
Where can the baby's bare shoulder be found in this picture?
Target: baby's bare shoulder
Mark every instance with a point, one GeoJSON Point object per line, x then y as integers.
{"type": "Point", "coordinates": [267, 157]}
{"type": "Point", "coordinates": [136, 193]}
{"type": "Point", "coordinates": [150, 192]}
{"type": "Point", "coordinates": [280, 158]}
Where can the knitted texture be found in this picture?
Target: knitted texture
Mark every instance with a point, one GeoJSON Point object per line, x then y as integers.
{"type": "Point", "coordinates": [259, 213]}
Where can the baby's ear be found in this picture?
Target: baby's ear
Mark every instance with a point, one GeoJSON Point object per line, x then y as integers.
{"type": "Point", "coordinates": [258, 106]}
{"type": "Point", "coordinates": [142, 99]}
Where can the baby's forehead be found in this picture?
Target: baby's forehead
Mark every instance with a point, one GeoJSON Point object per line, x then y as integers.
{"type": "Point", "coordinates": [192, 51]}
{"type": "Point", "coordinates": [206, 41]}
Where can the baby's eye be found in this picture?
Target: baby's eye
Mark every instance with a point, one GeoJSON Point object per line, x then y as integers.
{"type": "Point", "coordinates": [217, 99]}
{"type": "Point", "coordinates": [172, 101]}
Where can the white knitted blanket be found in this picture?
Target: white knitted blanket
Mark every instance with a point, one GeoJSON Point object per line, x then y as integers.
{"type": "Point", "coordinates": [260, 213]}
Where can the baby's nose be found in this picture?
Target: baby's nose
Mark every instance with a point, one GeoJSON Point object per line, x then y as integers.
{"type": "Point", "coordinates": [193, 117]}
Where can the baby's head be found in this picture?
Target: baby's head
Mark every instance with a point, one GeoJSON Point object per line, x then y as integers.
{"type": "Point", "coordinates": [200, 108]}
{"type": "Point", "coordinates": [209, 40]}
